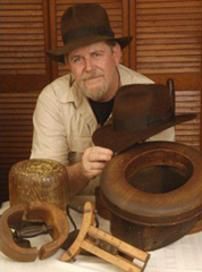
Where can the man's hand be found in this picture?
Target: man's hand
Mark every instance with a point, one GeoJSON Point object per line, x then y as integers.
{"type": "Point", "coordinates": [94, 160]}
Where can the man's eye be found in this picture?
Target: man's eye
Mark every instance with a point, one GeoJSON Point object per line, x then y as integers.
{"type": "Point", "coordinates": [97, 54]}
{"type": "Point", "coordinates": [76, 60]}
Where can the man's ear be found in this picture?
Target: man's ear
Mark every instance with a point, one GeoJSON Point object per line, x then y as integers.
{"type": "Point", "coordinates": [117, 52]}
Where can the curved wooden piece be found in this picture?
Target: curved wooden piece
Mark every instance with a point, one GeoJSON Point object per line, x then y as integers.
{"type": "Point", "coordinates": [7, 244]}
{"type": "Point", "coordinates": [49, 213]}
{"type": "Point", "coordinates": [87, 221]}
{"type": "Point", "coordinates": [54, 217]}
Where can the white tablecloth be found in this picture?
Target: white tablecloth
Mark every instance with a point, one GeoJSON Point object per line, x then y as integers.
{"type": "Point", "coordinates": [183, 255]}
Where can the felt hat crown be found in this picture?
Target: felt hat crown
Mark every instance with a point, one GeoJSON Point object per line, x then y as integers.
{"type": "Point", "coordinates": [139, 112]}
{"type": "Point", "coordinates": [83, 24]}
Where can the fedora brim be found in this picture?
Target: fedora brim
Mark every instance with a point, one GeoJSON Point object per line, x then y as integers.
{"type": "Point", "coordinates": [58, 54]}
{"type": "Point", "coordinates": [119, 141]}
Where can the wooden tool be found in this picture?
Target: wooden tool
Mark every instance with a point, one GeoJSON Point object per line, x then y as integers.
{"type": "Point", "coordinates": [91, 238]}
{"type": "Point", "coordinates": [42, 211]}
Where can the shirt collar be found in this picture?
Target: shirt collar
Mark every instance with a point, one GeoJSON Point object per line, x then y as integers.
{"type": "Point", "coordinates": [71, 93]}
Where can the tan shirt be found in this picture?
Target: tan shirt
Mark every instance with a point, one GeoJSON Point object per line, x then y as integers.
{"type": "Point", "coordinates": [64, 122]}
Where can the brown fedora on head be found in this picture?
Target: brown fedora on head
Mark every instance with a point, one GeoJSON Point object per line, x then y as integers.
{"type": "Point", "coordinates": [83, 24]}
{"type": "Point", "coordinates": [139, 112]}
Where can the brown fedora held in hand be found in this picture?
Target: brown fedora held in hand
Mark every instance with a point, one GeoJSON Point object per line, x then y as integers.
{"type": "Point", "coordinates": [139, 112]}
{"type": "Point", "coordinates": [83, 24]}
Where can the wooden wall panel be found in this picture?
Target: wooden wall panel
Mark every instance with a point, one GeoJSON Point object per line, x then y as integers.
{"type": "Point", "coordinates": [189, 132]}
{"type": "Point", "coordinates": [15, 132]}
{"type": "Point", "coordinates": [168, 36]}
{"type": "Point", "coordinates": [168, 44]}
{"type": "Point", "coordinates": [23, 42]}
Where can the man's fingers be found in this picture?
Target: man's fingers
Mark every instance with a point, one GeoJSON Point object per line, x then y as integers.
{"type": "Point", "coordinates": [94, 160]}
{"type": "Point", "coordinates": [97, 165]}
{"type": "Point", "coordinates": [99, 154]}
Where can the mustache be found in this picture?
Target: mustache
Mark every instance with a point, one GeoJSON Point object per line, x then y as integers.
{"type": "Point", "coordinates": [91, 75]}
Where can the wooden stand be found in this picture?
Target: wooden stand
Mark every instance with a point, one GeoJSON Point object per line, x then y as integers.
{"type": "Point", "coordinates": [91, 238]}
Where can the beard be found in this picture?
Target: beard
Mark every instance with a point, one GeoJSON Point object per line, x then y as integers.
{"type": "Point", "coordinates": [93, 85]}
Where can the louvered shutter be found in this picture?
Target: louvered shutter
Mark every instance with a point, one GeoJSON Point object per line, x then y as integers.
{"type": "Point", "coordinates": [16, 111]}
{"type": "Point", "coordinates": [168, 44]}
{"type": "Point", "coordinates": [24, 69]}
{"type": "Point", "coordinates": [23, 43]}
{"type": "Point", "coordinates": [118, 14]}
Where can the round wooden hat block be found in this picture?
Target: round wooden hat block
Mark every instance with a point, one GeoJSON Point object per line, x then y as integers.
{"type": "Point", "coordinates": [154, 193]}
{"type": "Point", "coordinates": [39, 180]}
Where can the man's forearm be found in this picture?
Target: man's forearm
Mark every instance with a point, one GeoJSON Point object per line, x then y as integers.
{"type": "Point", "coordinates": [77, 181]}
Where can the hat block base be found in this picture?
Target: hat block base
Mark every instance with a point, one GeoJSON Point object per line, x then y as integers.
{"type": "Point", "coordinates": [153, 193]}
{"type": "Point", "coordinates": [147, 237]}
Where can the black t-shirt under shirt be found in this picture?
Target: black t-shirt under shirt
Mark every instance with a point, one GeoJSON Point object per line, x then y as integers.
{"type": "Point", "coordinates": [102, 110]}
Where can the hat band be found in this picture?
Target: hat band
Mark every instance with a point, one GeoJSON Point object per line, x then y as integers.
{"type": "Point", "coordinates": [140, 123]}
{"type": "Point", "coordinates": [87, 32]}
{"type": "Point", "coordinates": [131, 125]}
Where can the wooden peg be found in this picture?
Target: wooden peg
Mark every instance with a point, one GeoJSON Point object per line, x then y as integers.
{"type": "Point", "coordinates": [127, 257]}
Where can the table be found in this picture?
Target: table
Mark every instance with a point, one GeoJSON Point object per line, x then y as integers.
{"type": "Point", "coordinates": [183, 255]}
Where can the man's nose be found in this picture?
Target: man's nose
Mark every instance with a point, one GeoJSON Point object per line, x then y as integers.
{"type": "Point", "coordinates": [88, 64]}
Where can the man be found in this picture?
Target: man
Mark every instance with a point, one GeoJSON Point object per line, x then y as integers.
{"type": "Point", "coordinates": [71, 108]}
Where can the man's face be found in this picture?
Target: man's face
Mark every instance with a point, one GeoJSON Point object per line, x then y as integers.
{"type": "Point", "coordinates": [94, 68]}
